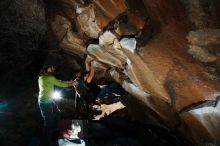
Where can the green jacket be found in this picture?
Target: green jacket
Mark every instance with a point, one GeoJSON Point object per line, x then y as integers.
{"type": "Point", "coordinates": [46, 84]}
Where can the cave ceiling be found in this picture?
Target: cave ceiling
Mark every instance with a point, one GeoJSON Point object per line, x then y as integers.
{"type": "Point", "coordinates": [165, 54]}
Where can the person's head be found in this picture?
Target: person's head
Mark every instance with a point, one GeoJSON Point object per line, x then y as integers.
{"type": "Point", "coordinates": [48, 68]}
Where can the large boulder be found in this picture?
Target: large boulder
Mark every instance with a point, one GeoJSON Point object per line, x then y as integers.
{"type": "Point", "coordinates": [164, 53]}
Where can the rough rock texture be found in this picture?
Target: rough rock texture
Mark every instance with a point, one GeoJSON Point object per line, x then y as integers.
{"type": "Point", "coordinates": [108, 51]}
{"type": "Point", "coordinates": [147, 47]}
{"type": "Point", "coordinates": [86, 20]}
{"type": "Point", "coordinates": [165, 54]}
{"type": "Point", "coordinates": [204, 45]}
{"type": "Point", "coordinates": [69, 40]}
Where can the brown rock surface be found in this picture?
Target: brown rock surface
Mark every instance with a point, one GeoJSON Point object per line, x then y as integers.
{"type": "Point", "coordinates": [204, 123]}
{"type": "Point", "coordinates": [69, 40]}
{"type": "Point", "coordinates": [86, 21]}
{"type": "Point", "coordinates": [167, 70]}
{"type": "Point", "coordinates": [108, 11]}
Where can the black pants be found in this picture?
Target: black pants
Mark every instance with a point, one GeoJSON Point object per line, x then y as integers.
{"type": "Point", "coordinates": [51, 116]}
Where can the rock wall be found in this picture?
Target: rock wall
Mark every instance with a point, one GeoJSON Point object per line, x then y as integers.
{"type": "Point", "coordinates": [164, 53]}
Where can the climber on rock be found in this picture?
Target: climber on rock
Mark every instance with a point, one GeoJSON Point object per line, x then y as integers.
{"type": "Point", "coordinates": [48, 108]}
{"type": "Point", "coordinates": [84, 95]}
{"type": "Point", "coordinates": [108, 91]}
{"type": "Point", "coordinates": [85, 77]}
{"type": "Point", "coordinates": [89, 77]}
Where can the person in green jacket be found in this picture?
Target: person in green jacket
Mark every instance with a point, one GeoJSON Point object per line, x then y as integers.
{"type": "Point", "coordinates": [48, 108]}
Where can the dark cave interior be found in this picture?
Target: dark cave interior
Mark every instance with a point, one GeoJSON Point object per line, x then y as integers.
{"type": "Point", "coordinates": [165, 55]}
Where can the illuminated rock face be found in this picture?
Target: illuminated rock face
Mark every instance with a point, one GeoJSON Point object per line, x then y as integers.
{"type": "Point", "coordinates": [69, 40]}
{"type": "Point", "coordinates": [164, 53]}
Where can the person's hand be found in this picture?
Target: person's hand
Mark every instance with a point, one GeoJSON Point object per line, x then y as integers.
{"type": "Point", "coordinates": [75, 83]}
{"type": "Point", "coordinates": [70, 82]}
